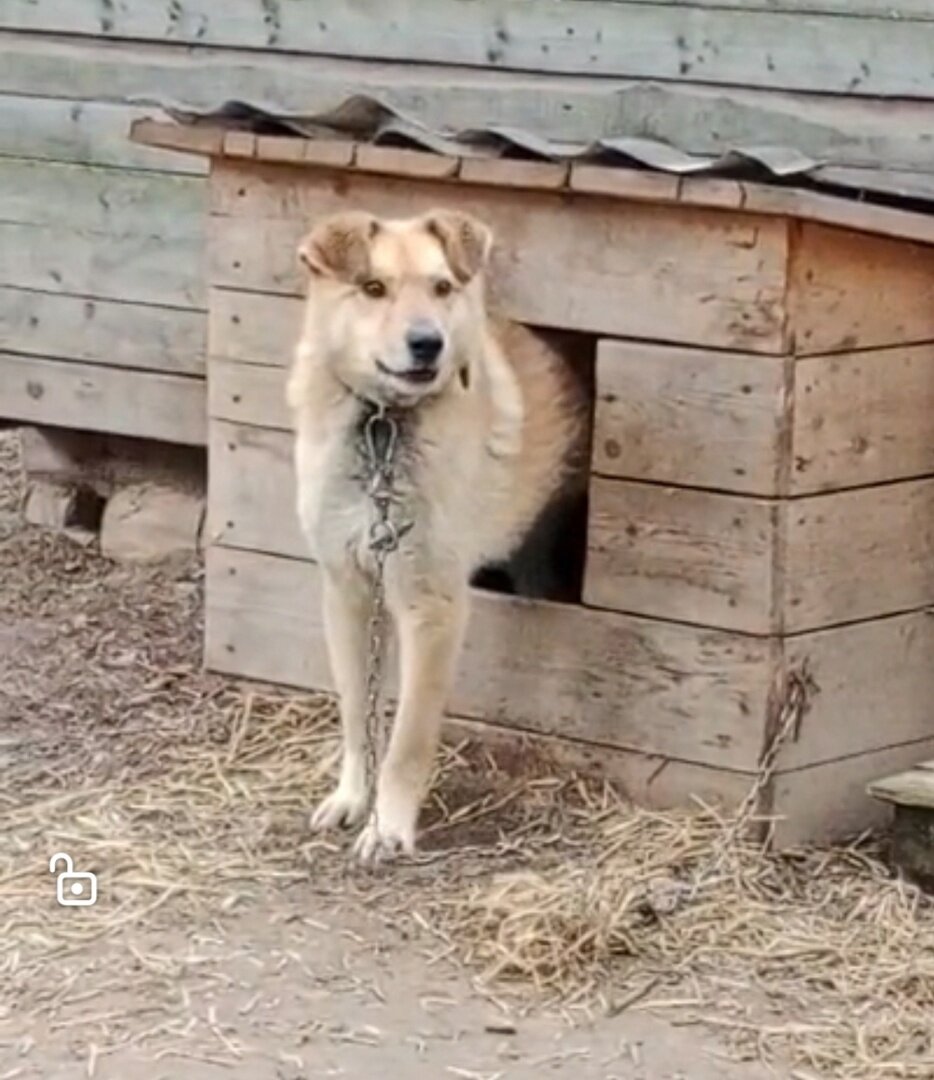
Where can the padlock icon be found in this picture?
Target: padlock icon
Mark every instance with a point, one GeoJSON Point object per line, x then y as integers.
{"type": "Point", "coordinates": [73, 889]}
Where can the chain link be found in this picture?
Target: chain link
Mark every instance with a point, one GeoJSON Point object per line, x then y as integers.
{"type": "Point", "coordinates": [379, 447]}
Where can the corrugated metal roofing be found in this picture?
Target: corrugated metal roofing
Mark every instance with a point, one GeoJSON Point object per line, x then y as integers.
{"type": "Point", "coordinates": [367, 119]}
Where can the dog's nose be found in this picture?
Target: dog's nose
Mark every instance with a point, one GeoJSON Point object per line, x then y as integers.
{"type": "Point", "coordinates": [425, 344]}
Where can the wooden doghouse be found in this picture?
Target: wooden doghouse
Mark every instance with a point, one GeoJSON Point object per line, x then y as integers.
{"type": "Point", "coordinates": [762, 499]}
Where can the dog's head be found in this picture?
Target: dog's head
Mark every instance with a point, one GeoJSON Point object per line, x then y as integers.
{"type": "Point", "coordinates": [395, 306]}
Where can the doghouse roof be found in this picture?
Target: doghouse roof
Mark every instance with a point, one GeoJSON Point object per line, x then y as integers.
{"type": "Point", "coordinates": [365, 134]}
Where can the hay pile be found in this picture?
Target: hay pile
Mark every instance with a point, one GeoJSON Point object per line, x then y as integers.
{"type": "Point", "coordinates": [189, 795]}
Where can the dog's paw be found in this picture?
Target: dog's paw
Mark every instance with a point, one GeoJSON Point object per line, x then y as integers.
{"type": "Point", "coordinates": [343, 807]}
{"type": "Point", "coordinates": [381, 842]}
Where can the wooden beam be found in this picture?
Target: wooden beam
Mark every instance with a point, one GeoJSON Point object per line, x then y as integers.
{"type": "Point", "coordinates": [108, 332]}
{"type": "Point", "coordinates": [763, 48]}
{"type": "Point", "coordinates": [254, 328]}
{"type": "Point", "coordinates": [595, 676]}
{"type": "Point", "coordinates": [92, 397]}
{"type": "Point", "coordinates": [638, 270]}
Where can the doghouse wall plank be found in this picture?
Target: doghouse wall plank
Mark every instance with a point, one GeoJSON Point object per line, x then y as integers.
{"type": "Point", "coordinates": [830, 802]}
{"type": "Point", "coordinates": [850, 290]}
{"type": "Point", "coordinates": [863, 418]}
{"type": "Point", "coordinates": [63, 393]}
{"type": "Point", "coordinates": [580, 263]}
{"type": "Point", "coordinates": [872, 687]}
{"type": "Point", "coordinates": [692, 417]}
{"type": "Point", "coordinates": [638, 684]}
{"type": "Point", "coordinates": [683, 554]}
{"type": "Point", "coordinates": [763, 566]}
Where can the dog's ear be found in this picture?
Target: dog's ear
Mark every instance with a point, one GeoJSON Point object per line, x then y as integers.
{"type": "Point", "coordinates": [339, 246]}
{"type": "Point", "coordinates": [466, 241]}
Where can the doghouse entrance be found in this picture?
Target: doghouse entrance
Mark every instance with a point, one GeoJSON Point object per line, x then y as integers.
{"type": "Point", "coordinates": [549, 564]}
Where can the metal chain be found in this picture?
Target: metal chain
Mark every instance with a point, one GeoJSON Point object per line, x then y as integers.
{"type": "Point", "coordinates": [380, 443]}
{"type": "Point", "coordinates": [793, 706]}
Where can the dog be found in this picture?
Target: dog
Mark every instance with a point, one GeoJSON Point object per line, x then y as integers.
{"type": "Point", "coordinates": [491, 435]}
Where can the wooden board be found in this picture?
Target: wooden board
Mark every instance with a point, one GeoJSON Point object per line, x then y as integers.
{"type": "Point", "coordinates": [675, 553]}
{"type": "Point", "coordinates": [699, 119]}
{"type": "Point", "coordinates": [830, 802]}
{"type": "Point", "coordinates": [92, 397]}
{"type": "Point", "coordinates": [699, 276]}
{"type": "Point", "coordinates": [863, 418]}
{"type": "Point", "coordinates": [857, 554]}
{"type": "Point", "coordinates": [873, 685]}
{"type": "Point", "coordinates": [771, 49]}
{"type": "Point", "coordinates": [248, 394]}
{"type": "Point", "coordinates": [690, 416]}
{"type": "Point", "coordinates": [851, 291]}
{"type": "Point", "coordinates": [614, 680]}
{"type": "Point", "coordinates": [102, 331]}
{"type": "Point", "coordinates": [83, 132]}
{"type": "Point", "coordinates": [256, 328]}
{"type": "Point", "coordinates": [101, 199]}
{"type": "Point", "coordinates": [912, 788]}
{"type": "Point", "coordinates": [251, 490]}
{"type": "Point", "coordinates": [145, 269]}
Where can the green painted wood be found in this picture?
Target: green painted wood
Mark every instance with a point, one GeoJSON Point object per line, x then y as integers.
{"type": "Point", "coordinates": [146, 269]}
{"type": "Point", "coordinates": [737, 46]}
{"type": "Point", "coordinates": [112, 332]}
{"type": "Point", "coordinates": [102, 199]}
{"type": "Point", "coordinates": [83, 132]}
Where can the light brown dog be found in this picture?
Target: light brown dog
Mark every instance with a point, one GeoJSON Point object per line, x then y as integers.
{"type": "Point", "coordinates": [491, 424]}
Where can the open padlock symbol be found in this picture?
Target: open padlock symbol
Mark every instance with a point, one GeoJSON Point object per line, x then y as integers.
{"type": "Point", "coordinates": [73, 889]}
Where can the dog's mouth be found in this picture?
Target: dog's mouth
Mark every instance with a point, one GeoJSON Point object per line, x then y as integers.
{"type": "Point", "coordinates": [413, 376]}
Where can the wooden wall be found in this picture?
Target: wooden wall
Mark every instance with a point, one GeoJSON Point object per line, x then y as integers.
{"type": "Point", "coordinates": [102, 241]}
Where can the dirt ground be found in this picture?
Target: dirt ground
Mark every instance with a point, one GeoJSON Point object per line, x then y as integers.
{"type": "Point", "coordinates": [227, 942]}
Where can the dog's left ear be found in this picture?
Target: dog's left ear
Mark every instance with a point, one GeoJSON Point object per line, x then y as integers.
{"type": "Point", "coordinates": [465, 240]}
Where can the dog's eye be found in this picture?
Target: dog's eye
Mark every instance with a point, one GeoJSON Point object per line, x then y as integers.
{"type": "Point", "coordinates": [443, 288]}
{"type": "Point", "coordinates": [375, 289]}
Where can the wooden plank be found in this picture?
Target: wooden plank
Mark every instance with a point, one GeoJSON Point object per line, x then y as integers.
{"type": "Point", "coordinates": [251, 490]}
{"type": "Point", "coordinates": [145, 269]}
{"type": "Point", "coordinates": [873, 685]}
{"type": "Point", "coordinates": [912, 788]}
{"type": "Point", "coordinates": [698, 119]}
{"type": "Point", "coordinates": [863, 418]}
{"type": "Point", "coordinates": [92, 397]}
{"type": "Point", "coordinates": [248, 394]}
{"type": "Point", "coordinates": [674, 553]}
{"type": "Point", "coordinates": [638, 270]}
{"type": "Point", "coordinates": [830, 802]}
{"type": "Point", "coordinates": [858, 554]}
{"type": "Point", "coordinates": [102, 331]}
{"type": "Point", "coordinates": [690, 416]}
{"type": "Point", "coordinates": [83, 132]}
{"type": "Point", "coordinates": [102, 199]}
{"type": "Point", "coordinates": [595, 676]}
{"type": "Point", "coordinates": [256, 328]}
{"type": "Point", "coordinates": [765, 48]}
{"type": "Point", "coordinates": [851, 291]}
{"type": "Point", "coordinates": [884, 9]}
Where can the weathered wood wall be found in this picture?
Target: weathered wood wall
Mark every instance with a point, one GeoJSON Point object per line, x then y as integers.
{"type": "Point", "coordinates": [101, 239]}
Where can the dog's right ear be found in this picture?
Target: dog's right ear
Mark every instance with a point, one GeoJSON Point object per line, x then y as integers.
{"type": "Point", "coordinates": [339, 246]}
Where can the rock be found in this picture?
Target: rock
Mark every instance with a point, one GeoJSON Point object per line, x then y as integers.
{"type": "Point", "coordinates": [64, 507]}
{"type": "Point", "coordinates": [147, 522]}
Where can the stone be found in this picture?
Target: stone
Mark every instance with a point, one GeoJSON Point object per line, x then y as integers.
{"type": "Point", "coordinates": [63, 507]}
{"type": "Point", "coordinates": [147, 522]}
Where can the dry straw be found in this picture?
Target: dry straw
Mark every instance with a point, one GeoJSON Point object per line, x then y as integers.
{"type": "Point", "coordinates": [189, 796]}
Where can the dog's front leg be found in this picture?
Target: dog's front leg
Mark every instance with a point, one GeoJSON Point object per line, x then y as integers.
{"type": "Point", "coordinates": [346, 613]}
{"type": "Point", "coordinates": [430, 628]}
